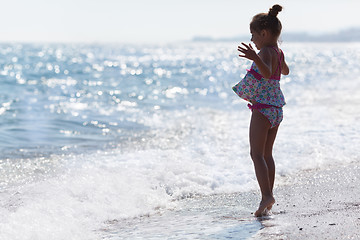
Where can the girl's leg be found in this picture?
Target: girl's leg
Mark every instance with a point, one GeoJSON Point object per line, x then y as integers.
{"type": "Point", "coordinates": [268, 155]}
{"type": "Point", "coordinates": [269, 158]}
{"type": "Point", "coordinates": [259, 128]}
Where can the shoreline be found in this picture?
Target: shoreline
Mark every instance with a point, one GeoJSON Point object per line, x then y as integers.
{"type": "Point", "coordinates": [322, 203]}
{"type": "Point", "coordinates": [316, 204]}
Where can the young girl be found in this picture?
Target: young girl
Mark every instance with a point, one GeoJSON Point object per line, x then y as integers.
{"type": "Point", "coordinates": [261, 88]}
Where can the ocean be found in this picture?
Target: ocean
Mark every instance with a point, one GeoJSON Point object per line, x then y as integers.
{"type": "Point", "coordinates": [102, 141]}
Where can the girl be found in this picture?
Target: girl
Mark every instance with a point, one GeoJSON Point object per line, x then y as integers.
{"type": "Point", "coordinates": [261, 88]}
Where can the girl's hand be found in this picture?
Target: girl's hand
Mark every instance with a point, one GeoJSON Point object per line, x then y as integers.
{"type": "Point", "coordinates": [248, 52]}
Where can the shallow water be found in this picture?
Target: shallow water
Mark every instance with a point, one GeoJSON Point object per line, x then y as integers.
{"type": "Point", "coordinates": [206, 217]}
{"type": "Point", "coordinates": [96, 133]}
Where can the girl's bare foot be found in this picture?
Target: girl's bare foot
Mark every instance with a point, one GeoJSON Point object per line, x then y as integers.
{"type": "Point", "coordinates": [264, 204]}
{"type": "Point", "coordinates": [266, 212]}
{"type": "Point", "coordinates": [270, 207]}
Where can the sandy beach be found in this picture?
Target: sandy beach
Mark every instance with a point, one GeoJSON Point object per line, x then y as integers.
{"type": "Point", "coordinates": [317, 204]}
{"type": "Point", "coordinates": [311, 204]}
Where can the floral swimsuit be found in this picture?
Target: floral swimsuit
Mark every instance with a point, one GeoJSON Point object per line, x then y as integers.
{"type": "Point", "coordinates": [265, 92]}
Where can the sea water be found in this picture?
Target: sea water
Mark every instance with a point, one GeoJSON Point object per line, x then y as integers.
{"type": "Point", "coordinates": [93, 135]}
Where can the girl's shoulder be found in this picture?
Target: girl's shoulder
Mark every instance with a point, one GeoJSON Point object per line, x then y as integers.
{"type": "Point", "coordinates": [271, 52]}
{"type": "Point", "coordinates": [266, 50]}
{"type": "Point", "coordinates": [274, 50]}
{"type": "Point", "coordinates": [268, 53]}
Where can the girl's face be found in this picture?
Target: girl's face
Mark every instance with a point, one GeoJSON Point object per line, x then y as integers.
{"type": "Point", "coordinates": [257, 38]}
{"type": "Point", "coordinates": [263, 38]}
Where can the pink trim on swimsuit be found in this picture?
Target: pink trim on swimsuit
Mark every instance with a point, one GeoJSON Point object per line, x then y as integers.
{"type": "Point", "coordinates": [259, 106]}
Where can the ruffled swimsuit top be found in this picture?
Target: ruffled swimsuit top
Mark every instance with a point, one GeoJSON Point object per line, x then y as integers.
{"type": "Point", "coordinates": [254, 87]}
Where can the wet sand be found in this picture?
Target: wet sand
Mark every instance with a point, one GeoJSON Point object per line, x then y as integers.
{"type": "Point", "coordinates": [222, 216]}
{"type": "Point", "coordinates": [311, 204]}
{"type": "Point", "coordinates": [317, 204]}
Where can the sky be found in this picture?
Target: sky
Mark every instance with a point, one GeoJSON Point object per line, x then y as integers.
{"type": "Point", "coordinates": [158, 21]}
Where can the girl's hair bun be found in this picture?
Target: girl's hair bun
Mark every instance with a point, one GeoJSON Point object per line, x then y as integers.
{"type": "Point", "coordinates": [267, 21]}
{"type": "Point", "coordinates": [275, 10]}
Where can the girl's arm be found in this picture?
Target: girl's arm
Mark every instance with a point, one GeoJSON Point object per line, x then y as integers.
{"type": "Point", "coordinates": [264, 63]}
{"type": "Point", "coordinates": [284, 67]}
{"type": "Point", "coordinates": [263, 60]}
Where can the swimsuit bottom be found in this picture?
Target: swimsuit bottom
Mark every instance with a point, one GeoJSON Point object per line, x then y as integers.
{"type": "Point", "coordinates": [272, 113]}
